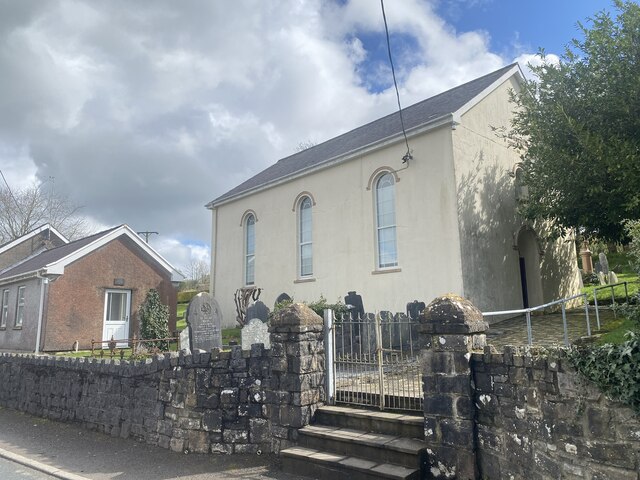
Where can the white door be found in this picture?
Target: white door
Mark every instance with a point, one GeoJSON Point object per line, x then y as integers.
{"type": "Point", "coordinates": [117, 304]}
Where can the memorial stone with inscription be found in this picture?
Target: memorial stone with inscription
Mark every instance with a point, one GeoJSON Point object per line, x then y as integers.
{"type": "Point", "coordinates": [204, 321]}
{"type": "Point", "coordinates": [256, 331]}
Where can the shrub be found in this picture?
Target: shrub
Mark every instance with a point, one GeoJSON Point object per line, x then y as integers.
{"type": "Point", "coordinates": [154, 319]}
{"type": "Point", "coordinates": [615, 369]}
{"type": "Point", "coordinates": [318, 306]}
{"type": "Point", "coordinates": [186, 295]}
{"type": "Point", "coordinates": [632, 228]}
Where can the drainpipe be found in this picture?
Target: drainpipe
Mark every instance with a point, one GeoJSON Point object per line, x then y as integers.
{"type": "Point", "coordinates": [44, 281]}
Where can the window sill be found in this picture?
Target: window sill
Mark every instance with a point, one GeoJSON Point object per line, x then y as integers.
{"type": "Point", "coordinates": [18, 327]}
{"type": "Point", "coordinates": [386, 270]}
{"type": "Point", "coordinates": [305, 280]}
{"type": "Point", "coordinates": [3, 328]}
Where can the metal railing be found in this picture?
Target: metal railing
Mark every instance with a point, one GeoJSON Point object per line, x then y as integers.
{"type": "Point", "coordinates": [613, 298]}
{"type": "Point", "coordinates": [562, 302]}
{"type": "Point", "coordinates": [128, 343]}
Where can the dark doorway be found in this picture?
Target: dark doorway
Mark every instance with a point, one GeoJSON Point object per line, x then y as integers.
{"type": "Point", "coordinates": [523, 282]}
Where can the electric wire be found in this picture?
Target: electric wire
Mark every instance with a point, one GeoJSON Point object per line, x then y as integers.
{"type": "Point", "coordinates": [407, 156]}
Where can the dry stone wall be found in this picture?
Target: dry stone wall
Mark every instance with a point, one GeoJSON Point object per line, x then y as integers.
{"type": "Point", "coordinates": [537, 419]}
{"type": "Point", "coordinates": [207, 402]}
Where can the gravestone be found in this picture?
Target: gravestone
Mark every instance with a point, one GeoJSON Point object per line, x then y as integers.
{"type": "Point", "coordinates": [256, 331]}
{"type": "Point", "coordinates": [258, 310]}
{"type": "Point", "coordinates": [184, 341]}
{"type": "Point", "coordinates": [414, 308]}
{"type": "Point", "coordinates": [602, 277]}
{"type": "Point", "coordinates": [613, 278]}
{"type": "Point", "coordinates": [604, 263]}
{"type": "Point", "coordinates": [355, 301]}
{"type": "Point", "coordinates": [283, 297]}
{"type": "Point", "coordinates": [597, 267]}
{"type": "Point", "coordinates": [204, 321]}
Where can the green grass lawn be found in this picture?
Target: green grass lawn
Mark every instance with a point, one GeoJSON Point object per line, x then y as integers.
{"type": "Point", "coordinates": [618, 262]}
{"type": "Point", "coordinates": [615, 331]}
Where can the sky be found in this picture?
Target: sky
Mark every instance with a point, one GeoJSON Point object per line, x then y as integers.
{"type": "Point", "coordinates": [144, 111]}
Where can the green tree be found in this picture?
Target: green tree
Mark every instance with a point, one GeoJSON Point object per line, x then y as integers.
{"type": "Point", "coordinates": [154, 319]}
{"type": "Point", "coordinates": [577, 129]}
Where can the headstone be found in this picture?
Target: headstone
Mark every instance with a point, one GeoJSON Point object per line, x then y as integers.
{"type": "Point", "coordinates": [414, 308]}
{"type": "Point", "coordinates": [184, 343]}
{"type": "Point", "coordinates": [204, 321]}
{"type": "Point", "coordinates": [613, 278]}
{"type": "Point", "coordinates": [283, 297]}
{"type": "Point", "coordinates": [602, 277]}
{"type": "Point", "coordinates": [256, 331]}
{"type": "Point", "coordinates": [258, 310]}
{"type": "Point", "coordinates": [355, 302]}
{"type": "Point", "coordinates": [604, 263]}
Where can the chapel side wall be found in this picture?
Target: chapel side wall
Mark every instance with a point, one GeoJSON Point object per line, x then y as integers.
{"type": "Point", "coordinates": [536, 418]}
{"type": "Point", "coordinates": [487, 204]}
{"type": "Point", "coordinates": [75, 310]}
{"type": "Point", "coordinates": [22, 338]}
{"type": "Point", "coordinates": [344, 256]}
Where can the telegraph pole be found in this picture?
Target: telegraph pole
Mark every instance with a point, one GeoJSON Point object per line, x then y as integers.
{"type": "Point", "coordinates": [146, 235]}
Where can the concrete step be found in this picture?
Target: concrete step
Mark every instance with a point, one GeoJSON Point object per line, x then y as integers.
{"type": "Point", "coordinates": [366, 445]}
{"type": "Point", "coordinates": [314, 463]}
{"type": "Point", "coordinates": [399, 424]}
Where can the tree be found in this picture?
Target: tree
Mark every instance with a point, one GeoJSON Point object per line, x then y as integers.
{"type": "Point", "coordinates": [22, 210]}
{"type": "Point", "coordinates": [154, 319]}
{"type": "Point", "coordinates": [577, 129]}
{"type": "Point", "coordinates": [197, 273]}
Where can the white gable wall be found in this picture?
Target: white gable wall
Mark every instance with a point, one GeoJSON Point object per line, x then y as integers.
{"type": "Point", "coordinates": [488, 220]}
{"type": "Point", "coordinates": [344, 232]}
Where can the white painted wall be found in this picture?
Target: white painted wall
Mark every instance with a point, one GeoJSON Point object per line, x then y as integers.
{"type": "Point", "coordinates": [344, 232]}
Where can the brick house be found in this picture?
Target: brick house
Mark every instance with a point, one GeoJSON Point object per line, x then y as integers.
{"type": "Point", "coordinates": [59, 292]}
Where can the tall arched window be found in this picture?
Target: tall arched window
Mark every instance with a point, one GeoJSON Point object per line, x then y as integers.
{"type": "Point", "coordinates": [249, 249]}
{"type": "Point", "coordinates": [386, 221]}
{"type": "Point", "coordinates": [305, 245]}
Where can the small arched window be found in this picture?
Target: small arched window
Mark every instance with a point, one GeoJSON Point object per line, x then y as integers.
{"type": "Point", "coordinates": [249, 249]}
{"type": "Point", "coordinates": [386, 221]}
{"type": "Point", "coordinates": [305, 243]}
{"type": "Point", "coordinates": [522, 190]}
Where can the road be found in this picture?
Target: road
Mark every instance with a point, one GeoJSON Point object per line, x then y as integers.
{"type": "Point", "coordinates": [14, 471]}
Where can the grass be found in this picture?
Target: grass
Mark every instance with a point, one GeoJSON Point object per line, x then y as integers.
{"type": "Point", "coordinates": [615, 331]}
{"type": "Point", "coordinates": [619, 263]}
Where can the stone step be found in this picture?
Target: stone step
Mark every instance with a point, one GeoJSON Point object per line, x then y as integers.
{"type": "Point", "coordinates": [372, 446]}
{"type": "Point", "coordinates": [400, 424]}
{"type": "Point", "coordinates": [321, 465]}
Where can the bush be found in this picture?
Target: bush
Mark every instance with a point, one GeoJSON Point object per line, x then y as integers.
{"type": "Point", "coordinates": [154, 319]}
{"type": "Point", "coordinates": [632, 228]}
{"type": "Point", "coordinates": [318, 306]}
{"type": "Point", "coordinates": [186, 295]}
{"type": "Point", "coordinates": [615, 369]}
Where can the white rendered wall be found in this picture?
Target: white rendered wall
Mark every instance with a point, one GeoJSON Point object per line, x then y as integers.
{"type": "Point", "coordinates": [344, 233]}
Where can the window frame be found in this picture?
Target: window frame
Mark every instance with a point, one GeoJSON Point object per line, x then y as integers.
{"type": "Point", "coordinates": [305, 206]}
{"type": "Point", "coordinates": [391, 226]}
{"type": "Point", "coordinates": [20, 307]}
{"type": "Point", "coordinates": [4, 311]}
{"type": "Point", "coordinates": [249, 257]}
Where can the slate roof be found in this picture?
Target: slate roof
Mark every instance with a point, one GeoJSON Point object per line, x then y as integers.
{"type": "Point", "coordinates": [415, 116]}
{"type": "Point", "coordinates": [40, 261]}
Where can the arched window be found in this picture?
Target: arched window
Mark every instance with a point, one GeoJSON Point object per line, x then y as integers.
{"type": "Point", "coordinates": [249, 249]}
{"type": "Point", "coordinates": [305, 244]}
{"type": "Point", "coordinates": [386, 221]}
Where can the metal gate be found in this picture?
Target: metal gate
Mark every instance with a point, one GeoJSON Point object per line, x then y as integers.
{"type": "Point", "coordinates": [373, 361]}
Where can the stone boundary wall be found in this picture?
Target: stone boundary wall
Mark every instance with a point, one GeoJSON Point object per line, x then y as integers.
{"type": "Point", "coordinates": [207, 402]}
{"type": "Point", "coordinates": [536, 419]}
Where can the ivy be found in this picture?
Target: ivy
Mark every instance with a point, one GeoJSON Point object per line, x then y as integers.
{"type": "Point", "coordinates": [615, 369]}
{"type": "Point", "coordinates": [154, 319]}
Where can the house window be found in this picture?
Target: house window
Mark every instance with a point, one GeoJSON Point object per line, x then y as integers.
{"type": "Point", "coordinates": [20, 307]}
{"type": "Point", "coordinates": [249, 249]}
{"type": "Point", "coordinates": [386, 221]}
{"type": "Point", "coordinates": [5, 308]}
{"type": "Point", "coordinates": [305, 245]}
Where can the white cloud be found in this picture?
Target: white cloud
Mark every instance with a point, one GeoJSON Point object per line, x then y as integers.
{"type": "Point", "coordinates": [535, 60]}
{"type": "Point", "coordinates": [145, 111]}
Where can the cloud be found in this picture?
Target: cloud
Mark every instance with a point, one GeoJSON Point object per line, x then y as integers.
{"type": "Point", "coordinates": [145, 111]}
{"type": "Point", "coordinates": [533, 59]}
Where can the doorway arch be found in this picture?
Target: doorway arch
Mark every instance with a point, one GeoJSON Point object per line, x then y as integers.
{"type": "Point", "coordinates": [529, 254]}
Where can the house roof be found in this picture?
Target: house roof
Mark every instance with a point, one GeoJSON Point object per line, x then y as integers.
{"type": "Point", "coordinates": [12, 243]}
{"type": "Point", "coordinates": [53, 261]}
{"type": "Point", "coordinates": [433, 111]}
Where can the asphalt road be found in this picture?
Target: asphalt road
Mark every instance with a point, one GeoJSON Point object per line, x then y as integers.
{"type": "Point", "coordinates": [97, 456]}
{"type": "Point", "coordinates": [14, 471]}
